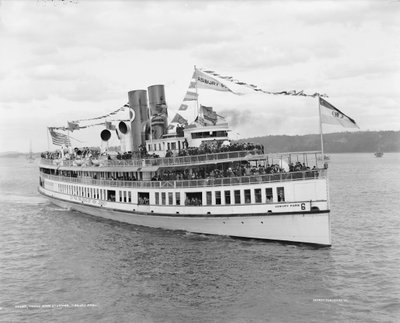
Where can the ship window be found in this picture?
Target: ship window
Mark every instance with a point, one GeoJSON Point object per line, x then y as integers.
{"type": "Point", "coordinates": [169, 146]}
{"type": "Point", "coordinates": [281, 194]}
{"type": "Point", "coordinates": [163, 201]}
{"type": "Point", "coordinates": [268, 195]}
{"type": "Point", "coordinates": [129, 197]}
{"type": "Point", "coordinates": [218, 197]}
{"type": "Point", "coordinates": [237, 196]}
{"type": "Point", "coordinates": [111, 195]}
{"type": "Point", "coordinates": [209, 200]}
{"type": "Point", "coordinates": [247, 196]}
{"type": "Point", "coordinates": [125, 197]}
{"type": "Point", "coordinates": [143, 198]}
{"type": "Point", "coordinates": [227, 197]}
{"type": "Point", "coordinates": [178, 198]}
{"type": "Point", "coordinates": [194, 199]}
{"type": "Point", "coordinates": [173, 145]}
{"type": "Point", "coordinates": [257, 195]}
{"type": "Point", "coordinates": [157, 196]}
{"type": "Point", "coordinates": [221, 134]}
{"type": "Point", "coordinates": [170, 198]}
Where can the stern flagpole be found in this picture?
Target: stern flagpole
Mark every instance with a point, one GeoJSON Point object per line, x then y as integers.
{"type": "Point", "coordinates": [320, 129]}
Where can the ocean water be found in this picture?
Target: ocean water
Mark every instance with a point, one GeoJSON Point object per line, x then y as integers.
{"type": "Point", "coordinates": [59, 265]}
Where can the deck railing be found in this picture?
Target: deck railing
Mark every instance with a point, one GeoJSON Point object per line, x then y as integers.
{"type": "Point", "coordinates": [176, 161]}
{"type": "Point", "coordinates": [210, 182]}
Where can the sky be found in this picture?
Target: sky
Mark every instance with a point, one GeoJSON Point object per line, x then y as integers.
{"type": "Point", "coordinates": [69, 60]}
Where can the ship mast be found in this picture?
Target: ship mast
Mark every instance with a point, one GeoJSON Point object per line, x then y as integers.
{"type": "Point", "coordinates": [320, 128]}
{"type": "Point", "coordinates": [197, 94]}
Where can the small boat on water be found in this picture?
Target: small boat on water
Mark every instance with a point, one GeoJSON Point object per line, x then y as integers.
{"type": "Point", "coordinates": [378, 154]}
{"type": "Point", "coordinates": [30, 157]}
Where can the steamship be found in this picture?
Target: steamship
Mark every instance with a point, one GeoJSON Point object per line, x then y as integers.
{"type": "Point", "coordinates": [192, 177]}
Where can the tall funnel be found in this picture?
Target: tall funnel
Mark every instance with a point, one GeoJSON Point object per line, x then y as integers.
{"type": "Point", "coordinates": [137, 104]}
{"type": "Point", "coordinates": [158, 110]}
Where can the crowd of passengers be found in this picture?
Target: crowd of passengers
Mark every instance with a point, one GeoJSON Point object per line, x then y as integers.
{"type": "Point", "coordinates": [205, 148]}
{"type": "Point", "coordinates": [237, 171]}
{"type": "Point", "coordinates": [76, 153]}
{"type": "Point", "coordinates": [214, 147]}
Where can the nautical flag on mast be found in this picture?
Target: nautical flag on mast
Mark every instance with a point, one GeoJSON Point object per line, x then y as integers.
{"type": "Point", "coordinates": [205, 81]}
{"type": "Point", "coordinates": [209, 114]}
{"type": "Point", "coordinates": [332, 115]}
{"type": "Point", "coordinates": [190, 96]}
{"type": "Point", "coordinates": [179, 119]}
{"type": "Point", "coordinates": [109, 125]}
{"type": "Point", "coordinates": [183, 107]}
{"type": "Point", "coordinates": [73, 125]}
{"type": "Point", "coordinates": [59, 139]}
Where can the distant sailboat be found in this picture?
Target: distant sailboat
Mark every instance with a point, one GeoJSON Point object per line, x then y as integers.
{"type": "Point", "coordinates": [30, 156]}
{"type": "Point", "coordinates": [378, 154]}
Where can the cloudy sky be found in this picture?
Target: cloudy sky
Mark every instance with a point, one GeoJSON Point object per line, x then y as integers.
{"type": "Point", "coordinates": [70, 60]}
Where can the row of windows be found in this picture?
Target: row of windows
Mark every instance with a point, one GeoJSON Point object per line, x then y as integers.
{"type": "Point", "coordinates": [170, 146]}
{"type": "Point", "coordinates": [170, 196]}
{"type": "Point", "coordinates": [226, 197]}
{"type": "Point", "coordinates": [89, 192]}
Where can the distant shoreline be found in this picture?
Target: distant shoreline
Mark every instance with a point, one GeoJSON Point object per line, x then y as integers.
{"type": "Point", "coordinates": [338, 142]}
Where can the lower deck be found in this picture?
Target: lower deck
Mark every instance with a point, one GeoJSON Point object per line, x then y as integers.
{"type": "Point", "coordinates": [277, 197]}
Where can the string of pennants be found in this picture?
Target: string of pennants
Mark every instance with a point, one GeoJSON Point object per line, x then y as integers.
{"type": "Point", "coordinates": [205, 79]}
{"type": "Point", "coordinates": [74, 125]}
{"type": "Point", "coordinates": [106, 115]}
{"type": "Point", "coordinates": [258, 89]}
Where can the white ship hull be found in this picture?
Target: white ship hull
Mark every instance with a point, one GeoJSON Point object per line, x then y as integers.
{"type": "Point", "coordinates": [302, 227]}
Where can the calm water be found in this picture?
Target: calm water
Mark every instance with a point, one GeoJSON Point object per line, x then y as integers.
{"type": "Point", "coordinates": [62, 266]}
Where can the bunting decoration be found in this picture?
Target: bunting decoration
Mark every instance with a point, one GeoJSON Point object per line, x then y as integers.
{"type": "Point", "coordinates": [106, 115]}
{"type": "Point", "coordinates": [257, 89]}
{"type": "Point", "coordinates": [74, 125]}
{"type": "Point", "coordinates": [332, 115]}
{"type": "Point", "coordinates": [59, 139]}
{"type": "Point", "coordinates": [91, 125]}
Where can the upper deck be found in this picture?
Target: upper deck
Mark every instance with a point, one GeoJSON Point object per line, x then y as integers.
{"type": "Point", "coordinates": [152, 164]}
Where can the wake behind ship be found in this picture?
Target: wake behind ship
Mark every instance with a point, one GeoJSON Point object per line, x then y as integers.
{"type": "Point", "coordinates": [189, 176]}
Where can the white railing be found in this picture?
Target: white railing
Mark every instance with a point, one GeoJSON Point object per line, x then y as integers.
{"type": "Point", "coordinates": [184, 160]}
{"type": "Point", "coordinates": [210, 182]}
